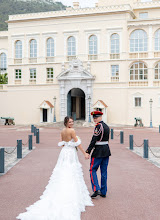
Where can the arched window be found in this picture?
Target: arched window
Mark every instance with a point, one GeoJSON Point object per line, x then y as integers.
{"type": "Point", "coordinates": [18, 49]}
{"type": "Point", "coordinates": [157, 71]}
{"type": "Point", "coordinates": [3, 61]}
{"type": "Point", "coordinates": [114, 43]}
{"type": "Point", "coordinates": [71, 46]}
{"type": "Point", "coordinates": [138, 71]}
{"type": "Point", "coordinates": [157, 40]}
{"type": "Point", "coordinates": [138, 41]}
{"type": "Point", "coordinates": [33, 48]}
{"type": "Point", "coordinates": [50, 47]}
{"type": "Point", "coordinates": [93, 45]}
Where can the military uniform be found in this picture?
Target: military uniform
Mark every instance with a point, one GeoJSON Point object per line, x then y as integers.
{"type": "Point", "coordinates": [100, 156]}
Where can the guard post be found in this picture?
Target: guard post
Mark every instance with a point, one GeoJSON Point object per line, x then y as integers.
{"type": "Point", "coordinates": [35, 131]}
{"type": "Point", "coordinates": [19, 149]}
{"type": "Point", "coordinates": [30, 142]}
{"type": "Point", "coordinates": [131, 142]}
{"type": "Point", "coordinates": [145, 150]}
{"type": "Point", "coordinates": [112, 135]}
{"type": "Point", "coordinates": [1, 160]}
{"type": "Point", "coordinates": [121, 137]}
{"type": "Point", "coordinates": [32, 128]}
{"type": "Point", "coordinates": [37, 136]}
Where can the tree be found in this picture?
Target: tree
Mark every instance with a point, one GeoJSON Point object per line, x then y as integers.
{"type": "Point", "coordinates": [4, 78]}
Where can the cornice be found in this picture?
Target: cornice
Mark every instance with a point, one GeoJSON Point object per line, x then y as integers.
{"type": "Point", "coordinates": [143, 22]}
{"type": "Point", "coordinates": [70, 13]}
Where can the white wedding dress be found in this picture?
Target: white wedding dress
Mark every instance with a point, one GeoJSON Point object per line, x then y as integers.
{"type": "Point", "coordinates": [66, 194]}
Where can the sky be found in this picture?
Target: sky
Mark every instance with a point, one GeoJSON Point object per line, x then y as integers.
{"type": "Point", "coordinates": [83, 3]}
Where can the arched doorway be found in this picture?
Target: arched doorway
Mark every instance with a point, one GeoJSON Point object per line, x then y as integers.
{"type": "Point", "coordinates": [76, 104]}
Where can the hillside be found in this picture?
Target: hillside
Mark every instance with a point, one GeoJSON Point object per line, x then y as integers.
{"type": "Point", "coordinates": [11, 7]}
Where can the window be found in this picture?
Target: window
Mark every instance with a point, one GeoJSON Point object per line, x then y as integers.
{"type": "Point", "coordinates": [157, 71]}
{"type": "Point", "coordinates": [115, 72]}
{"type": "Point", "coordinates": [3, 61]}
{"type": "Point", "coordinates": [115, 43]}
{"type": "Point", "coordinates": [138, 71]}
{"type": "Point", "coordinates": [33, 48]}
{"type": "Point", "coordinates": [49, 73]}
{"type": "Point", "coordinates": [137, 102]}
{"type": "Point", "coordinates": [93, 45]}
{"type": "Point", "coordinates": [18, 49]}
{"type": "Point", "coordinates": [157, 40]}
{"type": "Point", "coordinates": [32, 73]}
{"type": "Point", "coordinates": [138, 41]}
{"type": "Point", "coordinates": [71, 46]}
{"type": "Point", "coordinates": [50, 47]}
{"type": "Point", "coordinates": [18, 74]}
{"type": "Point", "coordinates": [143, 15]}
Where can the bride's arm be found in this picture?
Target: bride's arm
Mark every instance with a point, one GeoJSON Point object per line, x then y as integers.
{"type": "Point", "coordinates": [76, 139]}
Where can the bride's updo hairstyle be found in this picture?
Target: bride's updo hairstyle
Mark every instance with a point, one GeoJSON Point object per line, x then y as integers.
{"type": "Point", "coordinates": [66, 120]}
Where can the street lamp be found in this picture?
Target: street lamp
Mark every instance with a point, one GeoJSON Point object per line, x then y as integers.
{"type": "Point", "coordinates": [151, 101]}
{"type": "Point", "coordinates": [54, 109]}
{"type": "Point", "coordinates": [89, 102]}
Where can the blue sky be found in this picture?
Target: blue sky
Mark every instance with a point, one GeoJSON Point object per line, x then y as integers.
{"type": "Point", "coordinates": [83, 3]}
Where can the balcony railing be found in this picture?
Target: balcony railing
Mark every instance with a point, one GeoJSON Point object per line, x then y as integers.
{"type": "Point", "coordinates": [32, 60]}
{"type": "Point", "coordinates": [92, 57]}
{"type": "Point", "coordinates": [138, 55]}
{"type": "Point", "coordinates": [114, 56]}
{"type": "Point", "coordinates": [17, 61]}
{"type": "Point", "coordinates": [49, 59]}
{"type": "Point", "coordinates": [138, 83]}
{"type": "Point", "coordinates": [70, 58]}
{"type": "Point", "coordinates": [115, 79]}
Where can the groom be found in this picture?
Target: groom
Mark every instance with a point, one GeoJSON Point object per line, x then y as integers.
{"type": "Point", "coordinates": [100, 155]}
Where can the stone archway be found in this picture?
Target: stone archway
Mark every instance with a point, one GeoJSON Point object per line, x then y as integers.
{"type": "Point", "coordinates": [75, 77]}
{"type": "Point", "coordinates": [76, 104]}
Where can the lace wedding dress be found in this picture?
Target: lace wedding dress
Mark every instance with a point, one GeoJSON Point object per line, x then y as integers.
{"type": "Point", "coordinates": [66, 194]}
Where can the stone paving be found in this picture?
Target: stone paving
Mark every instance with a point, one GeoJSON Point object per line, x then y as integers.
{"type": "Point", "coordinates": [133, 182]}
{"type": "Point", "coordinates": [153, 154]}
{"type": "Point", "coordinates": [10, 157]}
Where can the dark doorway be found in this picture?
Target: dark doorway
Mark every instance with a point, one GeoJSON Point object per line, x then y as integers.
{"type": "Point", "coordinates": [76, 104]}
{"type": "Point", "coordinates": [44, 115]}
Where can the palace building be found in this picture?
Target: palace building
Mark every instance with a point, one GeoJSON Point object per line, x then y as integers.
{"type": "Point", "coordinates": [81, 59]}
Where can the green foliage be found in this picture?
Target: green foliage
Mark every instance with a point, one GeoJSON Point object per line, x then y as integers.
{"type": "Point", "coordinates": [4, 78]}
{"type": "Point", "coordinates": [11, 7]}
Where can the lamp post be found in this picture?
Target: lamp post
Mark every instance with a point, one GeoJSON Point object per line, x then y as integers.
{"type": "Point", "coordinates": [54, 109]}
{"type": "Point", "coordinates": [89, 102]}
{"type": "Point", "coordinates": [151, 101]}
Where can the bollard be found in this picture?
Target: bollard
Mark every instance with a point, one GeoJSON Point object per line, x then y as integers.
{"type": "Point", "coordinates": [2, 160]}
{"type": "Point", "coordinates": [32, 128]}
{"type": "Point", "coordinates": [159, 128]}
{"type": "Point", "coordinates": [112, 133]}
{"type": "Point", "coordinates": [121, 137]}
{"type": "Point", "coordinates": [145, 149]}
{"type": "Point", "coordinates": [131, 142]}
{"type": "Point", "coordinates": [19, 149]}
{"type": "Point", "coordinates": [37, 136]}
{"type": "Point", "coordinates": [35, 131]}
{"type": "Point", "coordinates": [30, 142]}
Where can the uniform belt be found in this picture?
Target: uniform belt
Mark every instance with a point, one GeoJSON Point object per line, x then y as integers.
{"type": "Point", "coordinates": [101, 143]}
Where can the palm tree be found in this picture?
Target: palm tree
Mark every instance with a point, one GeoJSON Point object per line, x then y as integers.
{"type": "Point", "coordinates": [4, 78]}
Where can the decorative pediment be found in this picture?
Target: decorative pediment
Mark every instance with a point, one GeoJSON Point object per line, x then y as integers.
{"type": "Point", "coordinates": [46, 105]}
{"type": "Point", "coordinates": [99, 104]}
{"type": "Point", "coordinates": [76, 70]}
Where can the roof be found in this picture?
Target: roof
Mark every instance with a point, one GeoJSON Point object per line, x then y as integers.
{"type": "Point", "coordinates": [101, 103]}
{"type": "Point", "coordinates": [48, 103]}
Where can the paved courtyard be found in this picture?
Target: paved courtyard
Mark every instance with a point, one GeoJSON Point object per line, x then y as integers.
{"type": "Point", "coordinates": [133, 182]}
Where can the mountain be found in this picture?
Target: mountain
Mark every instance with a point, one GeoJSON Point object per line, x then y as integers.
{"type": "Point", "coordinates": [11, 7]}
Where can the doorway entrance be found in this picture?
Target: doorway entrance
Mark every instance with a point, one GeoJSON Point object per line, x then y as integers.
{"type": "Point", "coordinates": [44, 115]}
{"type": "Point", "coordinates": [76, 104]}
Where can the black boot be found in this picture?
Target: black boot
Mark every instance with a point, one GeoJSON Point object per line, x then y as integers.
{"type": "Point", "coordinates": [102, 195]}
{"type": "Point", "coordinates": [95, 194]}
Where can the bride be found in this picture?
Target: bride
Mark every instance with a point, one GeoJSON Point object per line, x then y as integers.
{"type": "Point", "coordinates": [66, 194]}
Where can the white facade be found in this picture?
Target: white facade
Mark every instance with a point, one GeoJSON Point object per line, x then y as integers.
{"type": "Point", "coordinates": [109, 53]}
